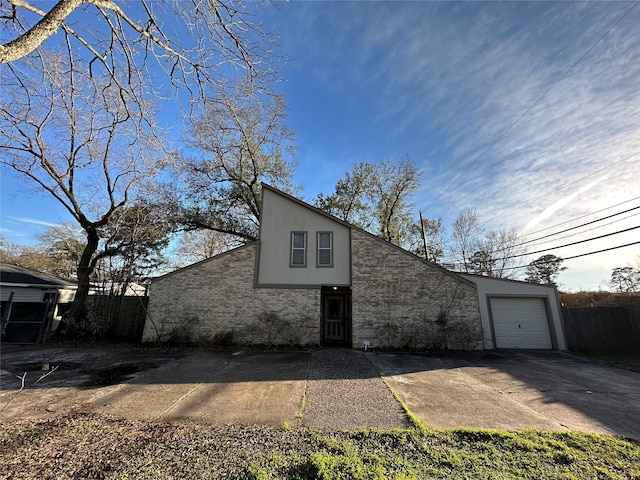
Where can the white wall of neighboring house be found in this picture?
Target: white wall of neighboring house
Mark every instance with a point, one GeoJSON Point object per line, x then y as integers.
{"type": "Point", "coordinates": [66, 295]}
{"type": "Point", "coordinates": [280, 217]}
{"type": "Point", "coordinates": [525, 303]}
{"type": "Point", "coordinates": [24, 294]}
{"type": "Point", "coordinates": [33, 294]}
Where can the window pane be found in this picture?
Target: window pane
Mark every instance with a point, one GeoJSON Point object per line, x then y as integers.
{"type": "Point", "coordinates": [298, 240]}
{"type": "Point", "coordinates": [324, 240]}
{"type": "Point", "coordinates": [298, 257]}
{"type": "Point", "coordinates": [324, 257]}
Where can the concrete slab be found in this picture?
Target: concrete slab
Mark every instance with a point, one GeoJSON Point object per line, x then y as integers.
{"type": "Point", "coordinates": [442, 397]}
{"type": "Point", "coordinates": [512, 390]}
{"type": "Point", "coordinates": [158, 391]}
{"type": "Point", "coordinates": [59, 379]}
{"type": "Point", "coordinates": [581, 395]}
{"type": "Point", "coordinates": [248, 388]}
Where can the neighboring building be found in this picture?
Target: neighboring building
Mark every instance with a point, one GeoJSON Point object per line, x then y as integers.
{"type": "Point", "coordinates": [312, 279]}
{"type": "Point", "coordinates": [519, 314]}
{"type": "Point", "coordinates": [131, 289]}
{"type": "Point", "coordinates": [31, 301]}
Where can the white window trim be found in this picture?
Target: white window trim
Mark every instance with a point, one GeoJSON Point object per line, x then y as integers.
{"type": "Point", "coordinates": [324, 265]}
{"type": "Point", "coordinates": [304, 249]}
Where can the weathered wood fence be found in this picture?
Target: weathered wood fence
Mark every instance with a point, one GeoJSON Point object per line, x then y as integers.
{"type": "Point", "coordinates": [122, 317]}
{"type": "Point", "coordinates": [602, 329]}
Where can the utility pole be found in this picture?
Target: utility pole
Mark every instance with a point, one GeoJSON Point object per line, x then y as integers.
{"type": "Point", "coordinates": [424, 239]}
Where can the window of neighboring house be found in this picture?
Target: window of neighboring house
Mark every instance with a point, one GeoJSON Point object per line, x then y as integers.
{"type": "Point", "coordinates": [298, 249]}
{"type": "Point", "coordinates": [49, 297]}
{"type": "Point", "coordinates": [325, 249]}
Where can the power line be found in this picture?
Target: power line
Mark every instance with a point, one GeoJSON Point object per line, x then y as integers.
{"type": "Point", "coordinates": [600, 251]}
{"type": "Point", "coordinates": [581, 255]}
{"type": "Point", "coordinates": [571, 228]}
{"type": "Point", "coordinates": [583, 216]}
{"type": "Point", "coordinates": [568, 245]}
{"type": "Point", "coordinates": [555, 82]}
{"type": "Point", "coordinates": [579, 180]}
{"type": "Point", "coordinates": [587, 230]}
{"type": "Point", "coordinates": [573, 243]}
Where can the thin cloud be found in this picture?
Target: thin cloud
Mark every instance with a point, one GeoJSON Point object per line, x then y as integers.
{"type": "Point", "coordinates": [7, 231]}
{"type": "Point", "coordinates": [551, 209]}
{"type": "Point", "coordinates": [32, 221]}
{"type": "Point", "coordinates": [507, 107]}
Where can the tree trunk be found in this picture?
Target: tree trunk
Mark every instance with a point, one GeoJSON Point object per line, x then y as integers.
{"type": "Point", "coordinates": [76, 318]}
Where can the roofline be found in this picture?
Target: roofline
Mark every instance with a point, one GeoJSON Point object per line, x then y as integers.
{"type": "Point", "coordinates": [193, 265]}
{"type": "Point", "coordinates": [512, 280]}
{"type": "Point", "coordinates": [361, 230]}
{"type": "Point", "coordinates": [38, 285]}
{"type": "Point", "coordinates": [60, 281]}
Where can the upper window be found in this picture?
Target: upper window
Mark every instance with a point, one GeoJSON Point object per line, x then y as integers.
{"type": "Point", "coordinates": [298, 249]}
{"type": "Point", "coordinates": [325, 249]}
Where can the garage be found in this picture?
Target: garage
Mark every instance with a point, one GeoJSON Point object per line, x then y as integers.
{"type": "Point", "coordinates": [520, 323]}
{"type": "Point", "coordinates": [518, 314]}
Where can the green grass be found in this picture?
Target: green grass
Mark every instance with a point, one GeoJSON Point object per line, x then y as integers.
{"type": "Point", "coordinates": [628, 361]}
{"type": "Point", "coordinates": [85, 445]}
{"type": "Point", "coordinates": [415, 421]}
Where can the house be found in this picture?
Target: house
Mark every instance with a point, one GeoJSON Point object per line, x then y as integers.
{"type": "Point", "coordinates": [519, 314]}
{"type": "Point", "coordinates": [312, 279]}
{"type": "Point", "coordinates": [31, 301]}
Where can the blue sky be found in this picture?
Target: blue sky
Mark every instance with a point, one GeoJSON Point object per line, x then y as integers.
{"type": "Point", "coordinates": [527, 111]}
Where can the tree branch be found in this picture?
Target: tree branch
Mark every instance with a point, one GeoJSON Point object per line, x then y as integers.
{"type": "Point", "coordinates": [41, 31]}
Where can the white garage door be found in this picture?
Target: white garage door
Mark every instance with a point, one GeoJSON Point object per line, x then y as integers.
{"type": "Point", "coordinates": [520, 323]}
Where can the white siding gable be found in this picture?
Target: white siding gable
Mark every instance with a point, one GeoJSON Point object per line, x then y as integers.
{"type": "Point", "coordinates": [282, 216]}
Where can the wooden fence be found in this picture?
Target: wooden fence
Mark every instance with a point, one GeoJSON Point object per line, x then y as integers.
{"type": "Point", "coordinates": [122, 317]}
{"type": "Point", "coordinates": [602, 329]}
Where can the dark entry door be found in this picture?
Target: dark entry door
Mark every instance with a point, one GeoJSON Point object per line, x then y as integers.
{"type": "Point", "coordinates": [335, 318]}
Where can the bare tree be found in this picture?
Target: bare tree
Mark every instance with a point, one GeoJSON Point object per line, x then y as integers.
{"type": "Point", "coordinates": [78, 113]}
{"type": "Point", "coordinates": [465, 237]}
{"type": "Point", "coordinates": [506, 250]}
{"type": "Point", "coordinates": [434, 237]}
{"type": "Point", "coordinates": [28, 256]}
{"type": "Point", "coordinates": [240, 142]}
{"type": "Point", "coordinates": [198, 245]}
{"type": "Point", "coordinates": [191, 42]}
{"type": "Point", "coordinates": [396, 183]}
{"type": "Point", "coordinates": [499, 254]}
{"type": "Point", "coordinates": [66, 130]}
{"type": "Point", "coordinates": [63, 243]}
{"type": "Point", "coordinates": [377, 198]}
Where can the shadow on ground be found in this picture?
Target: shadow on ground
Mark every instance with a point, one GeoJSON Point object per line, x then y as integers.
{"type": "Point", "coordinates": [496, 389]}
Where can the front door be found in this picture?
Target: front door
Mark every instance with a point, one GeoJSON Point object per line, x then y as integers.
{"type": "Point", "coordinates": [335, 316]}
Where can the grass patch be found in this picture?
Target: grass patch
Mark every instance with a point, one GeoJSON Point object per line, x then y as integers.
{"type": "Point", "coordinates": [82, 445]}
{"type": "Point", "coordinates": [625, 361]}
{"type": "Point", "coordinates": [415, 421]}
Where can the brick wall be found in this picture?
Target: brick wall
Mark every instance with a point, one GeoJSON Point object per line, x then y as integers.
{"type": "Point", "coordinates": [401, 301]}
{"type": "Point", "coordinates": [398, 301]}
{"type": "Point", "coordinates": [208, 300]}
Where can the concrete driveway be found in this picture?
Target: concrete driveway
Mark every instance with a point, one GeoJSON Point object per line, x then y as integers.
{"type": "Point", "coordinates": [515, 390]}
{"type": "Point", "coordinates": [510, 390]}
